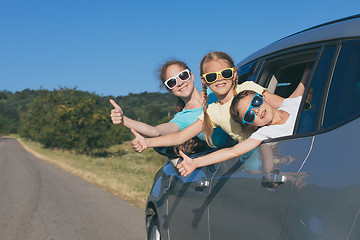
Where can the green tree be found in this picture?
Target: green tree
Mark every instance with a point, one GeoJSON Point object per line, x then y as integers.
{"type": "Point", "coordinates": [68, 119]}
{"type": "Point", "coordinates": [76, 120]}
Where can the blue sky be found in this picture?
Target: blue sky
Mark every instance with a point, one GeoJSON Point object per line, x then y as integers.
{"type": "Point", "coordinates": [115, 47]}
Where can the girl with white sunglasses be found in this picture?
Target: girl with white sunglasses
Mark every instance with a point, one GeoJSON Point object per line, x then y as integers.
{"type": "Point", "coordinates": [179, 80]}
{"type": "Point", "coordinates": [218, 73]}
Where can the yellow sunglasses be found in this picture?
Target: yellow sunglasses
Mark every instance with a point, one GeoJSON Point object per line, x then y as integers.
{"type": "Point", "coordinates": [213, 76]}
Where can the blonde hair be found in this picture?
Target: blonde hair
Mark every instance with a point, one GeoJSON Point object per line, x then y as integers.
{"type": "Point", "coordinates": [216, 55]}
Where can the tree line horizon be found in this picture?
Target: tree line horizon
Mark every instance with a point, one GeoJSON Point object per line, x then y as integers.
{"type": "Point", "coordinates": [79, 121]}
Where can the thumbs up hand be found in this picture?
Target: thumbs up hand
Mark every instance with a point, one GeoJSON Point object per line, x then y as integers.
{"type": "Point", "coordinates": [139, 143]}
{"type": "Point", "coordinates": [187, 166]}
{"type": "Point", "coordinates": [117, 115]}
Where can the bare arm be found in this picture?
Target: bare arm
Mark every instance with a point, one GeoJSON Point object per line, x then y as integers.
{"type": "Point", "coordinates": [151, 131]}
{"type": "Point", "coordinates": [299, 91]}
{"type": "Point", "coordinates": [140, 143]}
{"type": "Point", "coordinates": [275, 100]}
{"type": "Point", "coordinates": [176, 138]}
{"type": "Point", "coordinates": [117, 117]}
{"type": "Point", "coordinates": [188, 165]}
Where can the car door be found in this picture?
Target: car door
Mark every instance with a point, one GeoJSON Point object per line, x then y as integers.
{"type": "Point", "coordinates": [187, 209]}
{"type": "Point", "coordinates": [328, 206]}
{"type": "Point", "coordinates": [247, 203]}
{"type": "Point", "coordinates": [249, 195]}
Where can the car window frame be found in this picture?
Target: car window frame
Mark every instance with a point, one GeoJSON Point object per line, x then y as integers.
{"type": "Point", "coordinates": [321, 46]}
{"type": "Point", "coordinates": [264, 81]}
{"type": "Point", "coordinates": [324, 93]}
{"type": "Point", "coordinates": [288, 54]}
{"type": "Point", "coordinates": [341, 43]}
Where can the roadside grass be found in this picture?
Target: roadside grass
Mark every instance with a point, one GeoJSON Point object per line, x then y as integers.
{"type": "Point", "coordinates": [122, 172]}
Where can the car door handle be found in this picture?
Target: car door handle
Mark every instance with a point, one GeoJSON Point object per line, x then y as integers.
{"type": "Point", "coordinates": [273, 180]}
{"type": "Point", "coordinates": [200, 185]}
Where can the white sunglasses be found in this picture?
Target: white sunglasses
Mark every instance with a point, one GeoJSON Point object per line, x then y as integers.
{"type": "Point", "coordinates": [171, 83]}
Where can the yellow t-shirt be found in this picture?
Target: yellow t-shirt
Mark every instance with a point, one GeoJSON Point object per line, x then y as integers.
{"type": "Point", "coordinates": [220, 114]}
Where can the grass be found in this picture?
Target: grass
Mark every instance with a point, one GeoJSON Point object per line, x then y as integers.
{"type": "Point", "coordinates": [122, 172]}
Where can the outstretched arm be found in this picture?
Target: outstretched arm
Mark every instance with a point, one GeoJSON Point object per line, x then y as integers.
{"type": "Point", "coordinates": [275, 100]}
{"type": "Point", "coordinates": [299, 91]}
{"type": "Point", "coordinates": [140, 143]}
{"type": "Point", "coordinates": [118, 117]}
{"type": "Point", "coordinates": [188, 165]}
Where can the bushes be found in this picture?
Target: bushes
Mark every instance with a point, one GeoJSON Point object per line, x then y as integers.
{"type": "Point", "coordinates": [75, 120]}
{"type": "Point", "coordinates": [67, 119]}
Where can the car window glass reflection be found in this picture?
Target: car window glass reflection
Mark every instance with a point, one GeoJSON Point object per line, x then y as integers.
{"type": "Point", "coordinates": [343, 100]}
{"type": "Point", "coordinates": [314, 95]}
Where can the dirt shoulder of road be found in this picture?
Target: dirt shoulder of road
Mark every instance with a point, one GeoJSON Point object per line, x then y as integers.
{"type": "Point", "coordinates": [122, 172]}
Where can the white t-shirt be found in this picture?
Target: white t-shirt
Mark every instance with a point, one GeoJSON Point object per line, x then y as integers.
{"type": "Point", "coordinates": [289, 105]}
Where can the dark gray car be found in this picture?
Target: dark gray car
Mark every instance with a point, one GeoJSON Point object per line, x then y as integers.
{"type": "Point", "coordinates": [303, 186]}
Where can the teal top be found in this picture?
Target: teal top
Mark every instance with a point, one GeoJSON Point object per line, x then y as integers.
{"type": "Point", "coordinates": [187, 117]}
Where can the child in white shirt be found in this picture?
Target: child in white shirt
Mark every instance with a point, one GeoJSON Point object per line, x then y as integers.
{"type": "Point", "coordinates": [250, 109]}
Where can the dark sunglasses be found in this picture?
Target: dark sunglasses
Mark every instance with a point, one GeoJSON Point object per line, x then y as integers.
{"type": "Point", "coordinates": [307, 105]}
{"type": "Point", "coordinates": [249, 116]}
{"type": "Point", "coordinates": [213, 76]}
{"type": "Point", "coordinates": [171, 83]}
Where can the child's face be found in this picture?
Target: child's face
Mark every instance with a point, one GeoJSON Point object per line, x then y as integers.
{"type": "Point", "coordinates": [183, 88]}
{"type": "Point", "coordinates": [263, 114]}
{"type": "Point", "coordinates": [221, 87]}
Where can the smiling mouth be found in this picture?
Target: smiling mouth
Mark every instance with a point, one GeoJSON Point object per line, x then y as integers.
{"type": "Point", "coordinates": [263, 114]}
{"type": "Point", "coordinates": [220, 84]}
{"type": "Point", "coordinates": [183, 88]}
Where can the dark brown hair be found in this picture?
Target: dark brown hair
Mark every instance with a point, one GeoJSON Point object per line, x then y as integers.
{"type": "Point", "coordinates": [192, 145]}
{"type": "Point", "coordinates": [234, 110]}
{"type": "Point", "coordinates": [162, 73]}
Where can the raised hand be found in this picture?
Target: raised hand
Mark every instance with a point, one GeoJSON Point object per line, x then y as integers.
{"type": "Point", "coordinates": [139, 143]}
{"type": "Point", "coordinates": [117, 115]}
{"type": "Point", "coordinates": [187, 166]}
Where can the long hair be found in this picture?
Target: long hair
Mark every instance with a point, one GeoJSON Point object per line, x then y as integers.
{"type": "Point", "coordinates": [192, 145]}
{"type": "Point", "coordinates": [216, 55]}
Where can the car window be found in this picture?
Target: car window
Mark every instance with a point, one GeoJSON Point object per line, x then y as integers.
{"type": "Point", "coordinates": [282, 74]}
{"type": "Point", "coordinates": [310, 110]}
{"type": "Point", "coordinates": [247, 71]}
{"type": "Point", "coordinates": [343, 102]}
{"type": "Point", "coordinates": [288, 79]}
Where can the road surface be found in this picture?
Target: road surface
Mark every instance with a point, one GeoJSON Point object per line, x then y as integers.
{"type": "Point", "coordinates": [39, 201]}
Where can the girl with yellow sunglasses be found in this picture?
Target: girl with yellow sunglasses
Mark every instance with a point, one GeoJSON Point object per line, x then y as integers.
{"type": "Point", "coordinates": [178, 79]}
{"type": "Point", "coordinates": [217, 72]}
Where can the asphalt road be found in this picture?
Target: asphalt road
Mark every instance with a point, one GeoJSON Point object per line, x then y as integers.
{"type": "Point", "coordinates": [39, 201]}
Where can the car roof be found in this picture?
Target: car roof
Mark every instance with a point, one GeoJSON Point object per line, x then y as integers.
{"type": "Point", "coordinates": [341, 28]}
